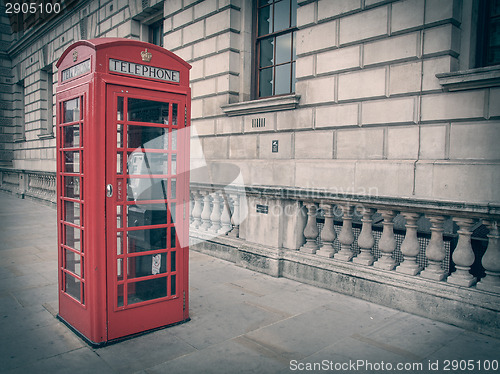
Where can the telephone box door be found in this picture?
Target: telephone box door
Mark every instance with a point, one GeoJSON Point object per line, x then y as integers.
{"type": "Point", "coordinates": [147, 156]}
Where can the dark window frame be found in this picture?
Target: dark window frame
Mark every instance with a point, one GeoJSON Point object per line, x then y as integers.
{"type": "Point", "coordinates": [484, 34]}
{"type": "Point", "coordinates": [291, 30]}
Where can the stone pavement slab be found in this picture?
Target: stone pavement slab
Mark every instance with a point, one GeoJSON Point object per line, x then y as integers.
{"type": "Point", "coordinates": [241, 321]}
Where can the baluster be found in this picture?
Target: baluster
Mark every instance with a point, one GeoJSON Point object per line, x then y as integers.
{"type": "Point", "coordinates": [346, 236]}
{"type": "Point", "coordinates": [205, 214]}
{"type": "Point", "coordinates": [235, 217]}
{"type": "Point", "coordinates": [216, 212]}
{"type": "Point", "coordinates": [311, 230]}
{"type": "Point", "coordinates": [198, 202]}
{"type": "Point", "coordinates": [410, 247]}
{"type": "Point", "coordinates": [366, 240]}
{"type": "Point", "coordinates": [463, 255]}
{"type": "Point", "coordinates": [491, 260]}
{"type": "Point", "coordinates": [387, 242]}
{"type": "Point", "coordinates": [435, 251]}
{"type": "Point", "coordinates": [328, 233]}
{"type": "Point", "coordinates": [191, 207]}
{"type": "Point", "coordinates": [225, 218]}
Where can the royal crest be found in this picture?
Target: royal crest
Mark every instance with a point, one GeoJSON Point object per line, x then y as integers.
{"type": "Point", "coordinates": [146, 56]}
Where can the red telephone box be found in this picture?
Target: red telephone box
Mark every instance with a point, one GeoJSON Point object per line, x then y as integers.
{"type": "Point", "coordinates": [123, 111]}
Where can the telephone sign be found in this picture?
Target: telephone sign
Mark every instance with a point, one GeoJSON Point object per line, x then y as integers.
{"type": "Point", "coordinates": [123, 185]}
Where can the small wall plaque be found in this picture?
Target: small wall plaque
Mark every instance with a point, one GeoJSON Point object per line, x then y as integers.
{"type": "Point", "coordinates": [274, 146]}
{"type": "Point", "coordinates": [264, 209]}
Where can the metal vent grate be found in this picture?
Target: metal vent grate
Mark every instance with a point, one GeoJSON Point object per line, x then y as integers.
{"type": "Point", "coordinates": [83, 28]}
{"type": "Point", "coordinates": [258, 122]}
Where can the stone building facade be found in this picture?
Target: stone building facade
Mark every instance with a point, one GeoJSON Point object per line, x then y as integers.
{"type": "Point", "coordinates": [365, 168]}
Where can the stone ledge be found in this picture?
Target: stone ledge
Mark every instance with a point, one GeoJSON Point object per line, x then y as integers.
{"type": "Point", "coordinates": [271, 104]}
{"type": "Point", "coordinates": [485, 210]}
{"type": "Point", "coordinates": [470, 79]}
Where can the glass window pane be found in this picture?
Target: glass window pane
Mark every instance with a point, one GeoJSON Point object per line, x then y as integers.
{"type": "Point", "coordinates": [146, 215]}
{"type": "Point", "coordinates": [119, 243]}
{"type": "Point", "coordinates": [173, 263]}
{"type": "Point", "coordinates": [147, 137]}
{"type": "Point", "coordinates": [173, 168]}
{"type": "Point", "coordinates": [146, 240]}
{"type": "Point", "coordinates": [266, 82]}
{"type": "Point", "coordinates": [174, 140]}
{"type": "Point", "coordinates": [281, 15]}
{"type": "Point", "coordinates": [147, 290]}
{"type": "Point", "coordinates": [72, 212]}
{"type": "Point", "coordinates": [173, 285]}
{"type": "Point", "coordinates": [494, 37]}
{"type": "Point", "coordinates": [72, 237]}
{"type": "Point", "coordinates": [173, 191]}
{"type": "Point", "coordinates": [72, 162]}
{"type": "Point", "coordinates": [283, 79]}
{"type": "Point", "coordinates": [293, 77]}
{"type": "Point", "coordinates": [294, 43]}
{"type": "Point", "coordinates": [147, 163]}
{"type": "Point", "coordinates": [147, 111]}
{"type": "Point", "coordinates": [71, 136]}
{"type": "Point", "coordinates": [119, 136]}
{"type": "Point", "coordinates": [72, 287]}
{"type": "Point", "coordinates": [142, 266]}
{"type": "Point", "coordinates": [294, 13]}
{"type": "Point", "coordinates": [173, 237]}
{"type": "Point", "coordinates": [71, 110]}
{"type": "Point", "coordinates": [119, 295]}
{"type": "Point", "coordinates": [172, 207]}
{"type": "Point", "coordinates": [72, 187]}
{"type": "Point", "coordinates": [119, 216]}
{"type": "Point", "coordinates": [147, 189]}
{"type": "Point", "coordinates": [74, 262]}
{"type": "Point", "coordinates": [119, 163]}
{"type": "Point", "coordinates": [266, 52]}
{"type": "Point", "coordinates": [265, 20]}
{"type": "Point", "coordinates": [119, 109]}
{"type": "Point", "coordinates": [283, 48]}
{"type": "Point", "coordinates": [175, 114]}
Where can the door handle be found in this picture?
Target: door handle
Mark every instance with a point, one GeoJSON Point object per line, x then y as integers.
{"type": "Point", "coordinates": [109, 190]}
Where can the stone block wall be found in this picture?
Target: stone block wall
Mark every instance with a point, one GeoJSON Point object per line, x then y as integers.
{"type": "Point", "coordinates": [372, 115]}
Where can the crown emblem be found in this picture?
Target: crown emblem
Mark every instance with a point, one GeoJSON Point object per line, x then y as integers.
{"type": "Point", "coordinates": [75, 56]}
{"type": "Point", "coordinates": [146, 56]}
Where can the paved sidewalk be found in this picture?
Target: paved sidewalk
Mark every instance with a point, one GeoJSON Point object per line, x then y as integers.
{"type": "Point", "coordinates": [242, 321]}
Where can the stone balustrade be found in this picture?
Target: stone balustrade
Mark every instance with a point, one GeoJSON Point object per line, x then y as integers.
{"type": "Point", "coordinates": [343, 229]}
{"type": "Point", "coordinates": [31, 184]}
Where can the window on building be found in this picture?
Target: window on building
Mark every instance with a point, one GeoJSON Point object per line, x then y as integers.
{"type": "Point", "coordinates": [488, 51]}
{"type": "Point", "coordinates": [19, 110]}
{"type": "Point", "coordinates": [276, 23]}
{"type": "Point", "coordinates": [47, 93]}
{"type": "Point", "coordinates": [155, 33]}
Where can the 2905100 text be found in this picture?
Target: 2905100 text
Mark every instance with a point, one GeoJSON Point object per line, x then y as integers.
{"type": "Point", "coordinates": [38, 7]}
{"type": "Point", "coordinates": [470, 365]}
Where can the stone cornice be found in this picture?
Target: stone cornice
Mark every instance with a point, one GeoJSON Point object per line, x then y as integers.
{"type": "Point", "coordinates": [270, 104]}
{"type": "Point", "coordinates": [470, 79]}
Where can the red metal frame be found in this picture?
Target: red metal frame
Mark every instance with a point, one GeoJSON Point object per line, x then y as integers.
{"type": "Point", "coordinates": [94, 311]}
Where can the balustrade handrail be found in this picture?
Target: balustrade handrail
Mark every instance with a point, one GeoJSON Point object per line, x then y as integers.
{"type": "Point", "coordinates": [490, 211]}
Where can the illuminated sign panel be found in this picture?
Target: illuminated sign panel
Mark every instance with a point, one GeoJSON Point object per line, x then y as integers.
{"type": "Point", "coordinates": [131, 68]}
